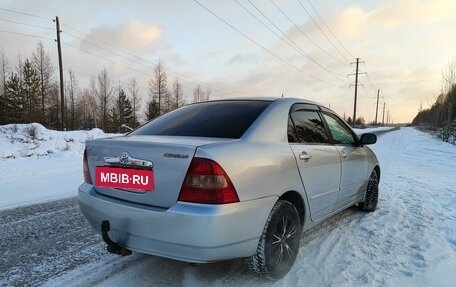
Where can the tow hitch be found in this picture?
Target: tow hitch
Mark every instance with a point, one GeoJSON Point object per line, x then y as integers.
{"type": "Point", "coordinates": [112, 247]}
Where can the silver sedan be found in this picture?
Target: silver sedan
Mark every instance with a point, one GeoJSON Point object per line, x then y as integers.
{"type": "Point", "coordinates": [227, 179]}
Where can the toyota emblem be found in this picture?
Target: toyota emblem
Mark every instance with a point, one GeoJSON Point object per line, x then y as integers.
{"type": "Point", "coordinates": [125, 158]}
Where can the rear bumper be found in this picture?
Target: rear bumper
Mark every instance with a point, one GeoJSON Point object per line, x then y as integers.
{"type": "Point", "coordinates": [186, 231]}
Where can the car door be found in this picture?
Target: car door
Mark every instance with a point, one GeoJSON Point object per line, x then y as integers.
{"type": "Point", "coordinates": [354, 161]}
{"type": "Point", "coordinates": [318, 161]}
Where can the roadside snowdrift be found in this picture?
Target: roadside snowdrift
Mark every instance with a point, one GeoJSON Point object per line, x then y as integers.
{"type": "Point", "coordinates": [27, 140]}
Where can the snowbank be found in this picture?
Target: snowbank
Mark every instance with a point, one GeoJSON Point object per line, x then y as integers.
{"type": "Point", "coordinates": [39, 165]}
{"type": "Point", "coordinates": [27, 140]}
{"type": "Point", "coordinates": [372, 130]}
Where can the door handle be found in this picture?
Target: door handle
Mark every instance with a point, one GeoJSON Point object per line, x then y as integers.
{"type": "Point", "coordinates": [304, 156]}
{"type": "Point", "coordinates": [344, 155]}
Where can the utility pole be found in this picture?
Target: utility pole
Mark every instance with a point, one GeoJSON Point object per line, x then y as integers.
{"type": "Point", "coordinates": [356, 89]}
{"type": "Point", "coordinates": [383, 119]}
{"type": "Point", "coordinates": [62, 96]}
{"type": "Point", "coordinates": [376, 110]}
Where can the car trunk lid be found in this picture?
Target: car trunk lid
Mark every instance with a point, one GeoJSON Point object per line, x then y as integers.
{"type": "Point", "coordinates": [169, 156]}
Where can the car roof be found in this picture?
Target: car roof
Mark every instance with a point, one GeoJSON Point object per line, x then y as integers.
{"type": "Point", "coordinates": [272, 99]}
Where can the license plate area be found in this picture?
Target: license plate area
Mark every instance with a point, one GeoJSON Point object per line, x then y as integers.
{"type": "Point", "coordinates": [131, 179]}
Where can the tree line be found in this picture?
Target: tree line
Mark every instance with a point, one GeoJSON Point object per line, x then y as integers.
{"type": "Point", "coordinates": [441, 116]}
{"type": "Point", "coordinates": [29, 92]}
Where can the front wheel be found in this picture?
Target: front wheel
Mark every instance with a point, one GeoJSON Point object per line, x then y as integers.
{"type": "Point", "coordinates": [371, 198]}
{"type": "Point", "coordinates": [279, 243]}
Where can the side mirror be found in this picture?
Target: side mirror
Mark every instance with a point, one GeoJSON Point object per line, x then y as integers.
{"type": "Point", "coordinates": [368, 139]}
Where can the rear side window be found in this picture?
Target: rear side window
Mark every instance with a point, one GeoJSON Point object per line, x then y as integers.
{"type": "Point", "coordinates": [308, 127]}
{"type": "Point", "coordinates": [220, 119]}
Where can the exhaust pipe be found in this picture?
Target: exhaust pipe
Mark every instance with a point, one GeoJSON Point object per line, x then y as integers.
{"type": "Point", "coordinates": [112, 247]}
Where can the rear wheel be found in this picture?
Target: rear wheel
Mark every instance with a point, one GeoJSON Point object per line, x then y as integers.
{"type": "Point", "coordinates": [279, 243]}
{"type": "Point", "coordinates": [371, 198]}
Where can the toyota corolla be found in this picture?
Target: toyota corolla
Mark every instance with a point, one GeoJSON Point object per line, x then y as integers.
{"type": "Point", "coordinates": [226, 179]}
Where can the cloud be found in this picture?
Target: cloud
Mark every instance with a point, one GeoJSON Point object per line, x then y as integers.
{"type": "Point", "coordinates": [394, 14]}
{"type": "Point", "coordinates": [135, 37]}
{"type": "Point", "coordinates": [350, 22]}
{"type": "Point", "coordinates": [242, 59]}
{"type": "Point", "coordinates": [390, 15]}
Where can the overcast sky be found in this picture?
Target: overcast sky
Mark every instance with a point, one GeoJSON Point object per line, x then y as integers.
{"type": "Point", "coordinates": [405, 46]}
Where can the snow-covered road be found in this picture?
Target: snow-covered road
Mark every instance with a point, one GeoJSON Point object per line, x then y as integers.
{"type": "Point", "coordinates": [410, 240]}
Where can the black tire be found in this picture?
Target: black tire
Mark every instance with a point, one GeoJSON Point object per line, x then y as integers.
{"type": "Point", "coordinates": [279, 243]}
{"type": "Point", "coordinates": [371, 198]}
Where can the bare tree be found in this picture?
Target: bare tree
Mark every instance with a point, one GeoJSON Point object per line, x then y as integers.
{"type": "Point", "coordinates": [86, 111]}
{"type": "Point", "coordinates": [449, 77]}
{"type": "Point", "coordinates": [178, 94]}
{"type": "Point", "coordinates": [208, 94]}
{"type": "Point", "coordinates": [93, 89]}
{"type": "Point", "coordinates": [4, 70]}
{"type": "Point", "coordinates": [104, 97]}
{"type": "Point", "coordinates": [449, 89]}
{"type": "Point", "coordinates": [199, 95]}
{"type": "Point", "coordinates": [158, 88]}
{"type": "Point", "coordinates": [71, 90]}
{"type": "Point", "coordinates": [135, 100]}
{"type": "Point", "coordinates": [42, 63]}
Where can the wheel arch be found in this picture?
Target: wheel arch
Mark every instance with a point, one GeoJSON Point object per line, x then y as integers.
{"type": "Point", "coordinates": [296, 199]}
{"type": "Point", "coordinates": [377, 169]}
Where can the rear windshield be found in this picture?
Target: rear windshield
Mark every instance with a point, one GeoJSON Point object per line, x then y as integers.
{"type": "Point", "coordinates": [222, 119]}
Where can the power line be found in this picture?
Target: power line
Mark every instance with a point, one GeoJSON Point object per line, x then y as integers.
{"type": "Point", "coordinates": [295, 47]}
{"type": "Point", "coordinates": [106, 59]}
{"type": "Point", "coordinates": [368, 77]}
{"type": "Point", "coordinates": [323, 32]}
{"type": "Point", "coordinates": [104, 49]}
{"type": "Point", "coordinates": [262, 47]}
{"type": "Point", "coordinates": [27, 35]}
{"type": "Point", "coordinates": [305, 34]}
{"type": "Point", "coordinates": [330, 31]}
{"type": "Point", "coordinates": [183, 78]}
{"type": "Point", "coordinates": [187, 79]}
{"type": "Point", "coordinates": [27, 14]}
{"type": "Point", "coordinates": [102, 42]}
{"type": "Point", "coordinates": [27, 24]}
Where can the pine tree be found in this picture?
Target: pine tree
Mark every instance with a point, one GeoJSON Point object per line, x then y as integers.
{"type": "Point", "coordinates": [30, 89]}
{"type": "Point", "coordinates": [14, 100]}
{"type": "Point", "coordinates": [152, 109]}
{"type": "Point", "coordinates": [122, 112]}
{"type": "Point", "coordinates": [125, 109]}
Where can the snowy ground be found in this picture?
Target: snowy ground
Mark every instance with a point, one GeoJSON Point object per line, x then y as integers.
{"type": "Point", "coordinates": [410, 240]}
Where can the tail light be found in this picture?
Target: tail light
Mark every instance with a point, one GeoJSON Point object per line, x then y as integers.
{"type": "Point", "coordinates": [207, 182]}
{"type": "Point", "coordinates": [85, 169]}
